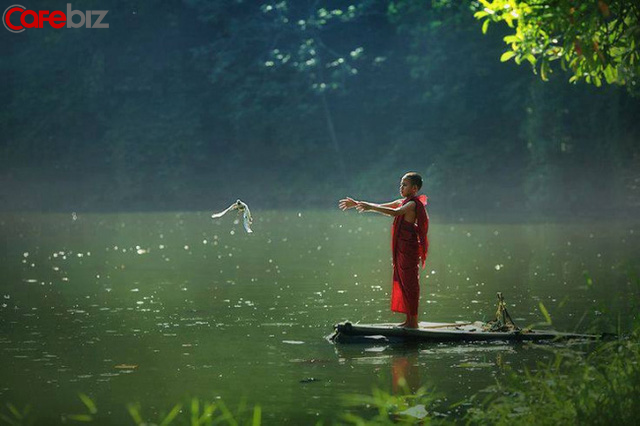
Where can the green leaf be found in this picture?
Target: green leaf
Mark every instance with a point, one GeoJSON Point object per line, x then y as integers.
{"type": "Point", "coordinates": [485, 26]}
{"type": "Point", "coordinates": [195, 410]}
{"type": "Point", "coordinates": [172, 415]}
{"type": "Point", "coordinates": [544, 311]}
{"type": "Point", "coordinates": [14, 410]}
{"type": "Point", "coordinates": [508, 19]}
{"type": "Point", "coordinates": [257, 416]}
{"type": "Point", "coordinates": [588, 279]}
{"type": "Point", "coordinates": [91, 406]}
{"type": "Point", "coordinates": [207, 412]}
{"type": "Point", "coordinates": [227, 416]}
{"type": "Point", "coordinates": [507, 55]}
{"type": "Point", "coordinates": [134, 411]}
{"type": "Point", "coordinates": [597, 81]}
{"type": "Point", "coordinates": [544, 70]}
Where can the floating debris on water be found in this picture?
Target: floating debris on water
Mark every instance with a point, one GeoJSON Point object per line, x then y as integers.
{"type": "Point", "coordinates": [472, 365]}
{"type": "Point", "coordinates": [126, 366]}
{"type": "Point", "coordinates": [376, 349]}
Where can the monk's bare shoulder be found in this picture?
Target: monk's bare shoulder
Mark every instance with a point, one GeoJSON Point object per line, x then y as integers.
{"type": "Point", "coordinates": [409, 207]}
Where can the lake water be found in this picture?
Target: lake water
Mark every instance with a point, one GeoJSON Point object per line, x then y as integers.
{"type": "Point", "coordinates": [156, 307]}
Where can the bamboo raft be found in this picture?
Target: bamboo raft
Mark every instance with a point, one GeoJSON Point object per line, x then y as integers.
{"type": "Point", "coordinates": [501, 329]}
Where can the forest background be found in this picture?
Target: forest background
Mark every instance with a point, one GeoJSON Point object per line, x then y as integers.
{"type": "Point", "coordinates": [190, 105]}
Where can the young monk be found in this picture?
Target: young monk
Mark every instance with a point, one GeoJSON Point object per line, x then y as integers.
{"type": "Point", "coordinates": [409, 243]}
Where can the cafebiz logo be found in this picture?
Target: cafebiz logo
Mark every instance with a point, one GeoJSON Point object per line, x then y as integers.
{"type": "Point", "coordinates": [24, 18]}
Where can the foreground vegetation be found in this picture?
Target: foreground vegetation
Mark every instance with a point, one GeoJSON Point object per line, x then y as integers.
{"type": "Point", "coordinates": [600, 388]}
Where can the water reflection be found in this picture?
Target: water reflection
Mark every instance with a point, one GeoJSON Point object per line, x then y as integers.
{"type": "Point", "coordinates": [406, 373]}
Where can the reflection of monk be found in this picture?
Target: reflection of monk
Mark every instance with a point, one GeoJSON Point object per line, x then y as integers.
{"type": "Point", "coordinates": [408, 241]}
{"type": "Point", "coordinates": [405, 373]}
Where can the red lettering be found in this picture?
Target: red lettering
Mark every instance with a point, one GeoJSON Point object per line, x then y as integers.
{"type": "Point", "coordinates": [26, 14]}
{"type": "Point", "coordinates": [57, 19]}
{"type": "Point", "coordinates": [7, 18]}
{"type": "Point", "coordinates": [51, 19]}
{"type": "Point", "coordinates": [42, 17]}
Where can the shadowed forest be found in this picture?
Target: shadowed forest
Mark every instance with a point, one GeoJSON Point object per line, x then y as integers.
{"type": "Point", "coordinates": [188, 105]}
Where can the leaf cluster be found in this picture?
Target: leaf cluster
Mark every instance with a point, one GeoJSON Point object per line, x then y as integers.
{"type": "Point", "coordinates": [596, 41]}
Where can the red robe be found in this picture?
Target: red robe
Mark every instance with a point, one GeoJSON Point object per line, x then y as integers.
{"type": "Point", "coordinates": [409, 246]}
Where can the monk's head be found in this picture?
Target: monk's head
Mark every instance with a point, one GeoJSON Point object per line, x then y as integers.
{"type": "Point", "coordinates": [410, 184]}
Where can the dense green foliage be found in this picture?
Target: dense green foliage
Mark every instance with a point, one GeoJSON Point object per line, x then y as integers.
{"type": "Point", "coordinates": [289, 103]}
{"type": "Point", "coordinates": [598, 41]}
{"type": "Point", "coordinates": [600, 389]}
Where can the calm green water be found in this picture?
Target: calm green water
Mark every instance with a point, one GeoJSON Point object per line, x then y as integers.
{"type": "Point", "coordinates": [203, 309]}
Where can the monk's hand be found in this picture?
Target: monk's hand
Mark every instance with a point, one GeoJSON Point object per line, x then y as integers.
{"type": "Point", "coordinates": [347, 203]}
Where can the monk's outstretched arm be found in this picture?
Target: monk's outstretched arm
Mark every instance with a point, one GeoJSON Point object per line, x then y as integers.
{"type": "Point", "coordinates": [363, 206]}
{"type": "Point", "coordinates": [349, 203]}
{"type": "Point", "coordinates": [392, 204]}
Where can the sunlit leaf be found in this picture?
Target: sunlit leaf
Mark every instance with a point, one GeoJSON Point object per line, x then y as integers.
{"type": "Point", "coordinates": [507, 55]}
{"type": "Point", "coordinates": [511, 39]}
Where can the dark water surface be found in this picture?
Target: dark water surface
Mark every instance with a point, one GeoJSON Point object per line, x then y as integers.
{"type": "Point", "coordinates": [151, 308]}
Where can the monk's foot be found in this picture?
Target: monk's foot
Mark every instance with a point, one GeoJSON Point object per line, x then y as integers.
{"type": "Point", "coordinates": [403, 324]}
{"type": "Point", "coordinates": [411, 324]}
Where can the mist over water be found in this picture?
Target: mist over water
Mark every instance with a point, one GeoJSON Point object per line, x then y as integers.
{"type": "Point", "coordinates": [149, 307]}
